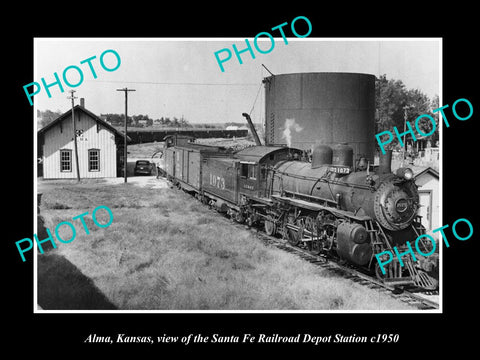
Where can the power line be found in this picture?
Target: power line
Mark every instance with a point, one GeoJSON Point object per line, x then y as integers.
{"type": "Point", "coordinates": [253, 106]}
{"type": "Point", "coordinates": [172, 83]}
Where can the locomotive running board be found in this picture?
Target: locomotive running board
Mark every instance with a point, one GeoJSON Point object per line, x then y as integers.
{"type": "Point", "coordinates": [318, 207]}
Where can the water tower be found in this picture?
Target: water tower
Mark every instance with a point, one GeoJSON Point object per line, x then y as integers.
{"type": "Point", "coordinates": [321, 108]}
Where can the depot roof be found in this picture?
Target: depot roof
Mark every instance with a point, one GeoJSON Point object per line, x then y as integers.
{"type": "Point", "coordinates": [99, 120]}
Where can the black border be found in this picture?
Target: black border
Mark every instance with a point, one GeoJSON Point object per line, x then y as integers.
{"type": "Point", "coordinates": [54, 333]}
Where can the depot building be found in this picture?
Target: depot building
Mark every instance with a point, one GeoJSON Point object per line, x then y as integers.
{"type": "Point", "coordinates": [99, 146]}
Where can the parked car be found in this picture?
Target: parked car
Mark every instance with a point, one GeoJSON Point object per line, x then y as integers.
{"type": "Point", "coordinates": [143, 167]}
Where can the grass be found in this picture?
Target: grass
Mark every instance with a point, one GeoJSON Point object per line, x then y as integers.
{"type": "Point", "coordinates": [164, 250]}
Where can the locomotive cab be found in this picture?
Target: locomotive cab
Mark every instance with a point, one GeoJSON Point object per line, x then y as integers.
{"type": "Point", "coordinates": [255, 162]}
{"type": "Point", "coordinates": [249, 179]}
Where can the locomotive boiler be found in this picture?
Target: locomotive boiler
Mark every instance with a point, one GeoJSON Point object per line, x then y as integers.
{"type": "Point", "coordinates": [390, 199]}
{"type": "Point", "coordinates": [357, 200]}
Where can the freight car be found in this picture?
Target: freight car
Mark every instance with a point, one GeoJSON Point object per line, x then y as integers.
{"type": "Point", "coordinates": [332, 204]}
{"type": "Point", "coordinates": [221, 178]}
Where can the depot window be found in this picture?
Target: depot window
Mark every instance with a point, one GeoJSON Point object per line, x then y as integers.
{"type": "Point", "coordinates": [94, 160]}
{"type": "Point", "coordinates": [65, 160]}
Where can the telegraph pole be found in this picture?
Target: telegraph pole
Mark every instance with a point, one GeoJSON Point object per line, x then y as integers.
{"type": "Point", "coordinates": [125, 139]}
{"type": "Point", "coordinates": [405, 117]}
{"type": "Point", "coordinates": [75, 134]}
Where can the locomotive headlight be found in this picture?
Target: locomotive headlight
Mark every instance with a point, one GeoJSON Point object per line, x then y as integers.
{"type": "Point", "coordinates": [405, 173]}
{"type": "Point", "coordinates": [408, 174]}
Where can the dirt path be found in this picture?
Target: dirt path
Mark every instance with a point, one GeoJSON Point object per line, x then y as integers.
{"type": "Point", "coordinates": [142, 181]}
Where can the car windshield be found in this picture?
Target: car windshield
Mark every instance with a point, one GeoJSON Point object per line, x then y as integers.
{"type": "Point", "coordinates": [142, 163]}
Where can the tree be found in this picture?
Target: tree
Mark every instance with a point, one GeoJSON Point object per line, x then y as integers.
{"type": "Point", "coordinates": [184, 122]}
{"type": "Point", "coordinates": [392, 99]}
{"type": "Point", "coordinates": [46, 117]}
{"type": "Point", "coordinates": [136, 119]}
{"type": "Point", "coordinates": [114, 119]}
{"type": "Point", "coordinates": [419, 104]}
{"type": "Point", "coordinates": [435, 104]}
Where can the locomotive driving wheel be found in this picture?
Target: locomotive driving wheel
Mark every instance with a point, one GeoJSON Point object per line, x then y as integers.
{"type": "Point", "coordinates": [270, 227]}
{"type": "Point", "coordinates": [311, 238]}
{"type": "Point", "coordinates": [239, 217]}
{"type": "Point", "coordinates": [290, 234]}
{"type": "Point", "coordinates": [303, 227]}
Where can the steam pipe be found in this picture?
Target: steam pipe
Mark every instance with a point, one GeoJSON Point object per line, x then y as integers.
{"type": "Point", "coordinates": [252, 129]}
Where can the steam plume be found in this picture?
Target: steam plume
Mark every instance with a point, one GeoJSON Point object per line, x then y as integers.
{"type": "Point", "coordinates": [290, 125]}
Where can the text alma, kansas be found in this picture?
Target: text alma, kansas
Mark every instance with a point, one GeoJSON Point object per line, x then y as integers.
{"type": "Point", "coordinates": [94, 338]}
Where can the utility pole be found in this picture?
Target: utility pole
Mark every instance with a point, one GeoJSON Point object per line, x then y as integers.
{"type": "Point", "coordinates": [75, 134]}
{"type": "Point", "coordinates": [405, 117]}
{"type": "Point", "coordinates": [125, 139]}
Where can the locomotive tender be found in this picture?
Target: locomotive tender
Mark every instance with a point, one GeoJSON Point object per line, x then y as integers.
{"type": "Point", "coordinates": [329, 204]}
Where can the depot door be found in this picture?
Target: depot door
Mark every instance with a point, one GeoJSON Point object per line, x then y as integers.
{"type": "Point", "coordinates": [425, 210]}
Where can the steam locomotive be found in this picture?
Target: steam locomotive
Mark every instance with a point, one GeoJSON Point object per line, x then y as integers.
{"type": "Point", "coordinates": [321, 201]}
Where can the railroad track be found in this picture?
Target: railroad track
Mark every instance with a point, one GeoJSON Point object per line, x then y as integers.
{"type": "Point", "coordinates": [354, 275]}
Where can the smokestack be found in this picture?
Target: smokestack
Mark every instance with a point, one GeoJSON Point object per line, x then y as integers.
{"type": "Point", "coordinates": [385, 162]}
{"type": "Point", "coordinates": [82, 102]}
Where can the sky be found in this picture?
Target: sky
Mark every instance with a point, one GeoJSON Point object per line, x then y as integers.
{"type": "Point", "coordinates": [181, 77]}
